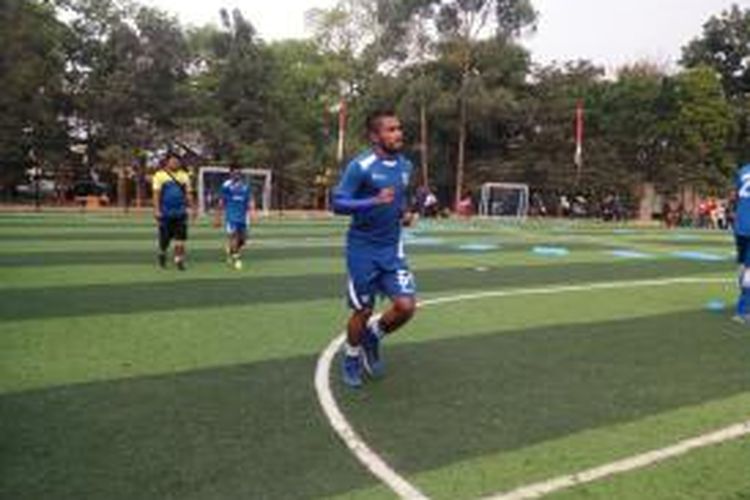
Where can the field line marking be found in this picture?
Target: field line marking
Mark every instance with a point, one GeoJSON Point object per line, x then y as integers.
{"type": "Point", "coordinates": [538, 490]}
{"type": "Point", "coordinates": [346, 432]}
{"type": "Point", "coordinates": [397, 483]}
{"type": "Point", "coordinates": [552, 290]}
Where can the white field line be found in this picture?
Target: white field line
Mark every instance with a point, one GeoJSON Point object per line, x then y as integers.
{"type": "Point", "coordinates": [538, 490]}
{"type": "Point", "coordinates": [404, 489]}
{"type": "Point", "coordinates": [343, 428]}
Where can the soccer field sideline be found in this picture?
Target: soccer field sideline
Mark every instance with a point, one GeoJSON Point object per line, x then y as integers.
{"type": "Point", "coordinates": [404, 489]}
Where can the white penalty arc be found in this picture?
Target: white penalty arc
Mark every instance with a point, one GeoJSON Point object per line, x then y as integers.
{"type": "Point", "coordinates": [404, 489]}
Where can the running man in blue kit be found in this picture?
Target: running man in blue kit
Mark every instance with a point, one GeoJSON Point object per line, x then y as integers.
{"type": "Point", "coordinates": [742, 238]}
{"type": "Point", "coordinates": [374, 192]}
{"type": "Point", "coordinates": [236, 202]}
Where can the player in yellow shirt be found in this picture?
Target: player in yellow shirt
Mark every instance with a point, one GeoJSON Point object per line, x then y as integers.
{"type": "Point", "coordinates": [172, 197]}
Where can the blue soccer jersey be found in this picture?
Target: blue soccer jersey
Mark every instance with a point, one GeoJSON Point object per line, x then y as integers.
{"type": "Point", "coordinates": [375, 258]}
{"type": "Point", "coordinates": [236, 197]}
{"type": "Point", "coordinates": [742, 217]}
{"type": "Point", "coordinates": [173, 188]}
{"type": "Point", "coordinates": [363, 179]}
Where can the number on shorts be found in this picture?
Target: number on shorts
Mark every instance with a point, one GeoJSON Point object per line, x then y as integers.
{"type": "Point", "coordinates": [405, 281]}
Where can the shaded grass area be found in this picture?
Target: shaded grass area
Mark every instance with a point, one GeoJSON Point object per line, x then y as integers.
{"type": "Point", "coordinates": [243, 432]}
{"type": "Point", "coordinates": [36, 303]}
{"type": "Point", "coordinates": [141, 254]}
{"type": "Point", "coordinates": [53, 236]}
{"type": "Point", "coordinates": [481, 395]}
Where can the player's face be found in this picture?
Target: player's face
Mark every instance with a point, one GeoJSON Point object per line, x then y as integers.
{"type": "Point", "coordinates": [235, 174]}
{"type": "Point", "coordinates": [173, 163]}
{"type": "Point", "coordinates": [390, 135]}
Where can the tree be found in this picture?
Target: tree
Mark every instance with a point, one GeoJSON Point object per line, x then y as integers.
{"type": "Point", "coordinates": [704, 127]}
{"type": "Point", "coordinates": [725, 46]}
{"type": "Point", "coordinates": [34, 47]}
{"type": "Point", "coordinates": [460, 24]}
{"type": "Point", "coordinates": [636, 117]}
{"type": "Point", "coordinates": [127, 74]}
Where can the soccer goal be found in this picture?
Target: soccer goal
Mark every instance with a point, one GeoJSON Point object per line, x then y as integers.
{"type": "Point", "coordinates": [500, 199]}
{"type": "Point", "coordinates": [210, 180]}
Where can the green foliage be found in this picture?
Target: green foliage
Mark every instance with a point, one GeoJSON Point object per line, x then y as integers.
{"type": "Point", "coordinates": [33, 48]}
{"type": "Point", "coordinates": [704, 126]}
{"type": "Point", "coordinates": [118, 80]}
{"type": "Point", "coordinates": [725, 46]}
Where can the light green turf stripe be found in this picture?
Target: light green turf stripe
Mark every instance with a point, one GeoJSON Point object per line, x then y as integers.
{"type": "Point", "coordinates": [60, 351]}
{"type": "Point", "coordinates": [715, 472]}
{"type": "Point", "coordinates": [472, 318]}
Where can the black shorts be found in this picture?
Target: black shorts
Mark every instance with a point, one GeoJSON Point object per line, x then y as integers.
{"type": "Point", "coordinates": [173, 228]}
{"type": "Point", "coordinates": [743, 249]}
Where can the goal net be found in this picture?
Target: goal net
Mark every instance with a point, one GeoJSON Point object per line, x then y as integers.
{"type": "Point", "coordinates": [210, 180]}
{"type": "Point", "coordinates": [499, 199]}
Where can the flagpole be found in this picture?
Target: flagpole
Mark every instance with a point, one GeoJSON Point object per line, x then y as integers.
{"type": "Point", "coordinates": [342, 131]}
{"type": "Point", "coordinates": [578, 157]}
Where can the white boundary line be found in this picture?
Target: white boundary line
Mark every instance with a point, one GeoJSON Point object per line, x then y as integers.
{"type": "Point", "coordinates": [346, 432]}
{"type": "Point", "coordinates": [404, 489]}
{"type": "Point", "coordinates": [538, 490]}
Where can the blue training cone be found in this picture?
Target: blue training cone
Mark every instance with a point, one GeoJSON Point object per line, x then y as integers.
{"type": "Point", "coordinates": [716, 305]}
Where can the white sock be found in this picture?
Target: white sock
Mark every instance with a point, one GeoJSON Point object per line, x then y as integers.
{"type": "Point", "coordinates": [374, 325]}
{"type": "Point", "coordinates": [352, 351]}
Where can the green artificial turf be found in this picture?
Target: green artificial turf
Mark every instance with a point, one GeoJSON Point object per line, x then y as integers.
{"type": "Point", "coordinates": [120, 380]}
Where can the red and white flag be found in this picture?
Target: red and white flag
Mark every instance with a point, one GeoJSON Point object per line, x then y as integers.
{"type": "Point", "coordinates": [578, 157]}
{"type": "Point", "coordinates": [342, 130]}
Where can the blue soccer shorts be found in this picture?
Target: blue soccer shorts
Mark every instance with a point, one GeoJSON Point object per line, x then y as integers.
{"type": "Point", "coordinates": [743, 249]}
{"type": "Point", "coordinates": [238, 228]}
{"type": "Point", "coordinates": [377, 271]}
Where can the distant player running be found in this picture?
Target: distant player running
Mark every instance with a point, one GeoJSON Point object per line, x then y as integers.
{"type": "Point", "coordinates": [742, 238]}
{"type": "Point", "coordinates": [236, 202]}
{"type": "Point", "coordinates": [373, 190]}
{"type": "Point", "coordinates": [172, 199]}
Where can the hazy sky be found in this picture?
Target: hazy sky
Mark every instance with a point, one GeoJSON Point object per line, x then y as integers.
{"type": "Point", "coordinates": [608, 32]}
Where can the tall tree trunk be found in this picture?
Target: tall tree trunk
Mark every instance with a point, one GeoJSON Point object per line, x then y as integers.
{"type": "Point", "coordinates": [424, 144]}
{"type": "Point", "coordinates": [460, 163]}
{"type": "Point", "coordinates": [121, 187]}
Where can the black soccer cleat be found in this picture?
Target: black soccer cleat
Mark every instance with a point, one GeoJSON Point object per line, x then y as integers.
{"type": "Point", "coordinates": [163, 260]}
{"type": "Point", "coordinates": [181, 266]}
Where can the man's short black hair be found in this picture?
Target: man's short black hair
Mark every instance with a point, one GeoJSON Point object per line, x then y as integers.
{"type": "Point", "coordinates": [373, 119]}
{"type": "Point", "coordinates": [172, 154]}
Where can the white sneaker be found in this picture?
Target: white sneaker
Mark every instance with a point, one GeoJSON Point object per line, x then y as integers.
{"type": "Point", "coordinates": [743, 320]}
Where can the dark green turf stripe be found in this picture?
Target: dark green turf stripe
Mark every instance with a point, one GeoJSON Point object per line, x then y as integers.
{"type": "Point", "coordinates": [458, 399]}
{"type": "Point", "coordinates": [727, 244]}
{"type": "Point", "coordinates": [28, 304]}
{"type": "Point", "coordinates": [253, 254]}
{"type": "Point", "coordinates": [74, 221]}
{"type": "Point", "coordinates": [129, 235]}
{"type": "Point", "coordinates": [243, 432]}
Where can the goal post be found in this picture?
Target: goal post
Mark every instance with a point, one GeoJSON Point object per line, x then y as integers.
{"type": "Point", "coordinates": [504, 199]}
{"type": "Point", "coordinates": [211, 178]}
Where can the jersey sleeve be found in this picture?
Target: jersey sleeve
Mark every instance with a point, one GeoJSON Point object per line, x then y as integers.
{"type": "Point", "coordinates": [184, 178]}
{"type": "Point", "coordinates": [344, 202]}
{"type": "Point", "coordinates": [158, 180]}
